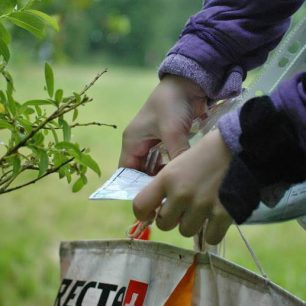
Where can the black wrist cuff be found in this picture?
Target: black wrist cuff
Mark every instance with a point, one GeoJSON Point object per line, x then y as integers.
{"type": "Point", "coordinates": [270, 144]}
{"type": "Point", "coordinates": [270, 154]}
{"type": "Point", "coordinates": [239, 191]}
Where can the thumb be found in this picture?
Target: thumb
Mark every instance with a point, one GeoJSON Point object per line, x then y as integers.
{"type": "Point", "coordinates": [148, 200]}
{"type": "Point", "coordinates": [176, 143]}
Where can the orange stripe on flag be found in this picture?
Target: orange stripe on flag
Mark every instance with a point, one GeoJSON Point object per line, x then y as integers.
{"type": "Point", "coordinates": [182, 294]}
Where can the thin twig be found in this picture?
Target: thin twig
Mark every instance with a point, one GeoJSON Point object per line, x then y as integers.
{"type": "Point", "coordinates": [4, 180]}
{"type": "Point", "coordinates": [94, 123]}
{"type": "Point", "coordinates": [92, 83]}
{"type": "Point", "coordinates": [4, 175]}
{"type": "Point", "coordinates": [71, 107]}
{"type": "Point", "coordinates": [9, 180]}
{"type": "Point", "coordinates": [84, 124]}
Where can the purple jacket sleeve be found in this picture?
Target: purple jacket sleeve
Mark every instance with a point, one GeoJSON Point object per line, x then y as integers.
{"type": "Point", "coordinates": [226, 39]}
{"type": "Point", "coordinates": [290, 96]}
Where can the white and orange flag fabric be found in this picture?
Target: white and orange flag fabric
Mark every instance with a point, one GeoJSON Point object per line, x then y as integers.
{"type": "Point", "coordinates": [138, 273]}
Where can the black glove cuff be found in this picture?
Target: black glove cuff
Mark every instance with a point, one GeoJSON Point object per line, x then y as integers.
{"type": "Point", "coordinates": [270, 154]}
{"type": "Point", "coordinates": [239, 191]}
{"type": "Point", "coordinates": [270, 144]}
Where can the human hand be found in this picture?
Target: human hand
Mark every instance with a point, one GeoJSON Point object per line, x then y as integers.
{"type": "Point", "coordinates": [190, 184]}
{"type": "Point", "coordinates": [166, 117]}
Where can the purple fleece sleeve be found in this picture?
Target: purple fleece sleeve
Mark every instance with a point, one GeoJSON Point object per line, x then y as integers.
{"type": "Point", "coordinates": [290, 96]}
{"type": "Point", "coordinates": [226, 39]}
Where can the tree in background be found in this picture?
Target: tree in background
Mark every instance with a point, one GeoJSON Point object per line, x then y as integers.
{"type": "Point", "coordinates": [129, 32]}
{"type": "Point", "coordinates": [124, 32]}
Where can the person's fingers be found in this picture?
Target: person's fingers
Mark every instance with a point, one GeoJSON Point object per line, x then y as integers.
{"type": "Point", "coordinates": [134, 151]}
{"type": "Point", "coordinates": [127, 160]}
{"type": "Point", "coordinates": [150, 198]}
{"type": "Point", "coordinates": [218, 225]}
{"type": "Point", "coordinates": [169, 215]}
{"type": "Point", "coordinates": [175, 142]}
{"type": "Point", "coordinates": [192, 221]}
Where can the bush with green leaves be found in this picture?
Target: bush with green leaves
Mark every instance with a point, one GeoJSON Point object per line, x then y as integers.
{"type": "Point", "coordinates": [36, 134]}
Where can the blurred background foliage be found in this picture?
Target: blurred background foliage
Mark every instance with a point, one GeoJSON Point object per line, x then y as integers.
{"type": "Point", "coordinates": [124, 32]}
{"type": "Point", "coordinates": [130, 37]}
{"type": "Point", "coordinates": [120, 31]}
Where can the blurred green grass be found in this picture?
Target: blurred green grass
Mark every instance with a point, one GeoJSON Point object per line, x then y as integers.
{"type": "Point", "coordinates": [34, 220]}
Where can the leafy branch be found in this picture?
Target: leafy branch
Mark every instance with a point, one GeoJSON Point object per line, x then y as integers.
{"type": "Point", "coordinates": [72, 103]}
{"type": "Point", "coordinates": [37, 134]}
{"type": "Point", "coordinates": [5, 189]}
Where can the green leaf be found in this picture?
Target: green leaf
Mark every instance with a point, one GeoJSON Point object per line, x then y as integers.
{"type": "Point", "coordinates": [26, 124]}
{"type": "Point", "coordinates": [27, 111]}
{"type": "Point", "coordinates": [2, 97]}
{"type": "Point", "coordinates": [37, 102]}
{"type": "Point", "coordinates": [66, 130]}
{"type": "Point", "coordinates": [7, 6]}
{"type": "Point", "coordinates": [38, 110]}
{"type": "Point", "coordinates": [79, 184]}
{"type": "Point", "coordinates": [49, 76]}
{"type": "Point", "coordinates": [11, 104]}
{"type": "Point", "coordinates": [26, 4]}
{"type": "Point", "coordinates": [38, 138]}
{"type": "Point", "coordinates": [16, 162]}
{"type": "Point", "coordinates": [43, 161]}
{"type": "Point", "coordinates": [77, 97]}
{"type": "Point", "coordinates": [16, 137]}
{"type": "Point", "coordinates": [4, 34]}
{"type": "Point", "coordinates": [83, 169]}
{"type": "Point", "coordinates": [73, 149]}
{"type": "Point", "coordinates": [59, 95]}
{"type": "Point", "coordinates": [5, 125]}
{"type": "Point", "coordinates": [61, 172]}
{"type": "Point", "coordinates": [75, 114]}
{"type": "Point", "coordinates": [9, 82]}
{"type": "Point", "coordinates": [29, 22]}
{"type": "Point", "coordinates": [51, 21]}
{"type": "Point", "coordinates": [88, 161]}
{"type": "Point", "coordinates": [84, 178]}
{"type": "Point", "coordinates": [58, 158]}
{"type": "Point", "coordinates": [54, 135]}
{"type": "Point", "coordinates": [68, 174]}
{"type": "Point", "coordinates": [4, 50]}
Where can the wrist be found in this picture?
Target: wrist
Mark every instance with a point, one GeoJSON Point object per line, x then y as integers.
{"type": "Point", "coordinates": [191, 89]}
{"type": "Point", "coordinates": [214, 85]}
{"type": "Point", "coordinates": [213, 146]}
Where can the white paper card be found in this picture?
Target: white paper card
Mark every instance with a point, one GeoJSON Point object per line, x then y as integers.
{"type": "Point", "coordinates": [124, 184]}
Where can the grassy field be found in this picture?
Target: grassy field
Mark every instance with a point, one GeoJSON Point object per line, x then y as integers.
{"type": "Point", "coordinates": [34, 220]}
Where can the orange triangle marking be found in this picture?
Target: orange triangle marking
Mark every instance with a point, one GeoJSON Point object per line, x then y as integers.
{"type": "Point", "coordinates": [182, 294]}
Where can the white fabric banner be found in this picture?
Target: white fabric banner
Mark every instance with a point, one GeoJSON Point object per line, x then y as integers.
{"type": "Point", "coordinates": [127, 272]}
